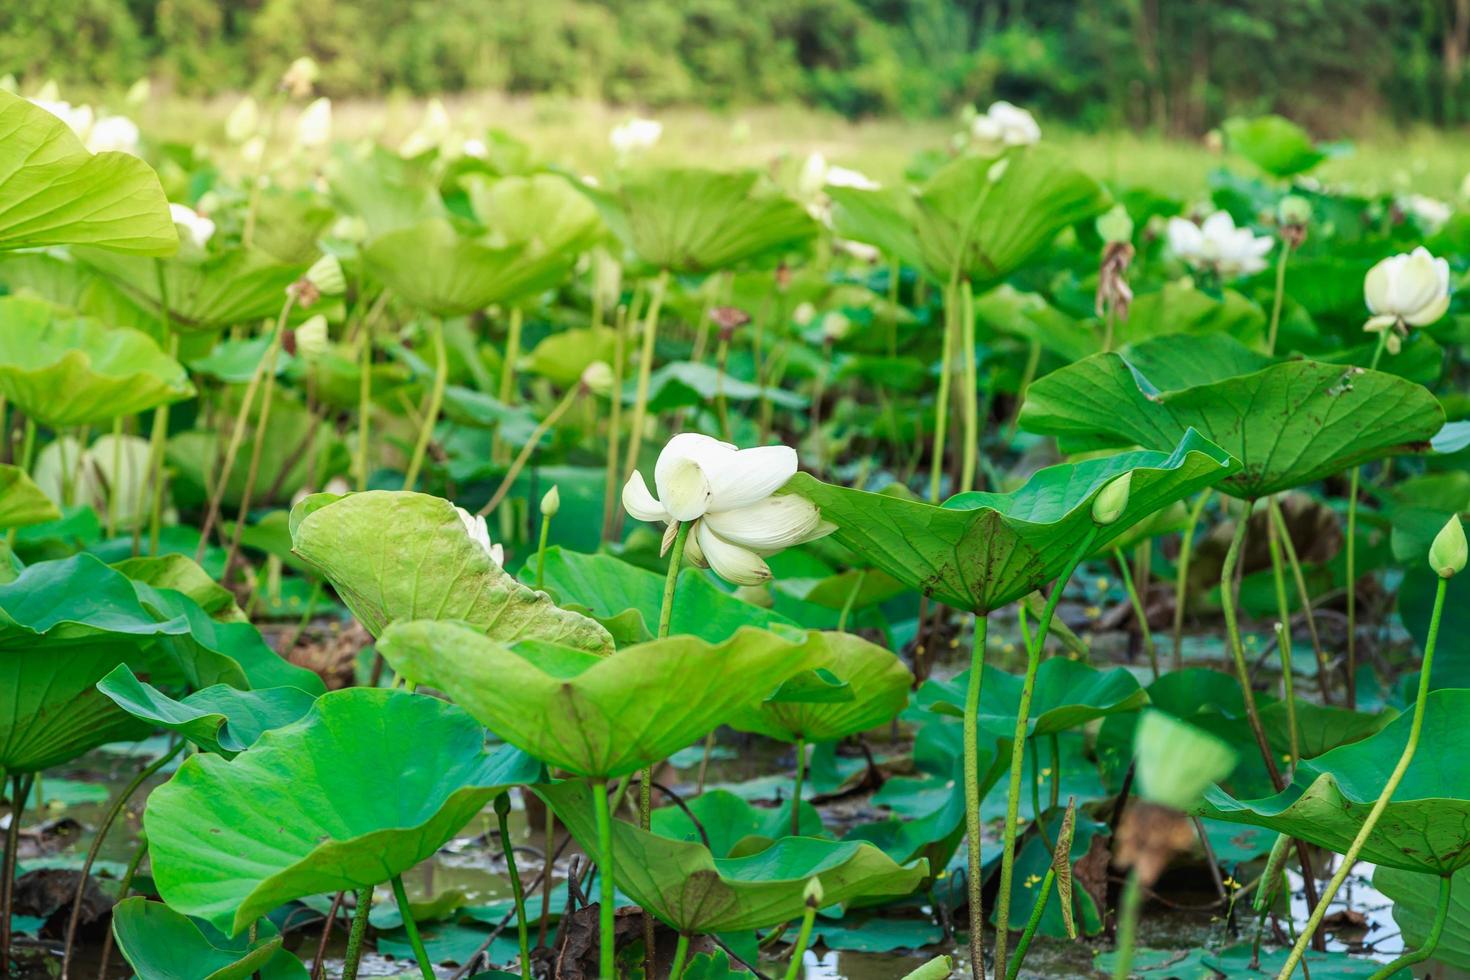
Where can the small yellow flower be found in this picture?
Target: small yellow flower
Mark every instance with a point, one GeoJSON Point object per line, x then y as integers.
{"type": "Point", "coordinates": [1103, 583]}
{"type": "Point", "coordinates": [1032, 881]}
{"type": "Point", "coordinates": [1093, 612]}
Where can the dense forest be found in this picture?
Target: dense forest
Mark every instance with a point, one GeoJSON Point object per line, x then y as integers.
{"type": "Point", "coordinates": [1175, 66]}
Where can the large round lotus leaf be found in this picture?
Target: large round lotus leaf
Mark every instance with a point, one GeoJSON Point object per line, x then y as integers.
{"type": "Point", "coordinates": [590, 715]}
{"type": "Point", "coordinates": [689, 220]}
{"type": "Point", "coordinates": [982, 550]}
{"type": "Point", "coordinates": [367, 785]}
{"type": "Point", "coordinates": [544, 212]}
{"type": "Point", "coordinates": [161, 944]}
{"type": "Point", "coordinates": [53, 192]}
{"type": "Point", "coordinates": [22, 502]}
{"type": "Point", "coordinates": [1276, 145]}
{"type": "Point", "coordinates": [1426, 826]}
{"type": "Point", "coordinates": [685, 886]}
{"type": "Point", "coordinates": [206, 293]}
{"type": "Point", "coordinates": [1068, 693]}
{"type": "Point", "coordinates": [1288, 423]}
{"type": "Point", "coordinates": [219, 718]}
{"type": "Point", "coordinates": [730, 823]}
{"type": "Point", "coordinates": [627, 599]}
{"type": "Point", "coordinates": [396, 556]}
{"type": "Point", "coordinates": [69, 371]}
{"type": "Point", "coordinates": [878, 689]}
{"type": "Point", "coordinates": [66, 624]}
{"type": "Point", "coordinates": [1415, 898]}
{"type": "Point", "coordinates": [999, 211]}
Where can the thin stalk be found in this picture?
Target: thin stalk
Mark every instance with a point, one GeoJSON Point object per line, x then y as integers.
{"type": "Point", "coordinates": [252, 472]}
{"type": "Point", "coordinates": [1033, 364]}
{"type": "Point", "coordinates": [530, 448]}
{"type": "Point", "coordinates": [1431, 942]}
{"type": "Point", "coordinates": [124, 886]}
{"type": "Point", "coordinates": [941, 400]}
{"type": "Point", "coordinates": [502, 814]}
{"type": "Point", "coordinates": [970, 372]}
{"type": "Point", "coordinates": [1381, 804]}
{"type": "Point", "coordinates": [671, 578]}
{"type": "Point", "coordinates": [547, 870]}
{"type": "Point", "coordinates": [412, 928]}
{"type": "Point", "coordinates": [1181, 583]}
{"type": "Point", "coordinates": [27, 458]}
{"type": "Point", "coordinates": [1138, 611]}
{"type": "Point", "coordinates": [1128, 926]}
{"type": "Point", "coordinates": [1303, 596]}
{"type": "Point", "coordinates": [681, 953]}
{"type": "Point", "coordinates": [605, 952]}
{"type": "Point", "coordinates": [326, 936]}
{"type": "Point", "coordinates": [364, 403]}
{"type": "Point", "coordinates": [796, 789]}
{"type": "Point", "coordinates": [614, 426]}
{"type": "Point", "coordinates": [541, 551]}
{"type": "Point", "coordinates": [851, 599]}
{"type": "Point", "coordinates": [1280, 295]}
{"type": "Point", "coordinates": [113, 490]}
{"type": "Point", "coordinates": [431, 412]}
{"type": "Point", "coordinates": [895, 274]}
{"type": "Point", "coordinates": [355, 936]}
{"type": "Point", "coordinates": [20, 790]}
{"type": "Point", "coordinates": [803, 939]}
{"type": "Point", "coordinates": [158, 443]}
{"type": "Point", "coordinates": [972, 797]}
{"type": "Point", "coordinates": [645, 370]}
{"type": "Point", "coordinates": [1018, 747]}
{"type": "Point", "coordinates": [1237, 651]}
{"type": "Point", "coordinates": [1024, 944]}
{"type": "Point", "coordinates": [1283, 633]}
{"type": "Point", "coordinates": [709, 747]}
{"type": "Point", "coordinates": [96, 845]}
{"type": "Point", "coordinates": [1352, 555]}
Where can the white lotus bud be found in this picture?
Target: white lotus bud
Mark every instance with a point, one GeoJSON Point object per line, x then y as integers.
{"type": "Point", "coordinates": [1412, 287]}
{"type": "Point", "coordinates": [1448, 552]}
{"type": "Point", "coordinates": [197, 229]}
{"type": "Point", "coordinates": [1109, 505]}
{"type": "Point", "coordinates": [551, 502]}
{"type": "Point", "coordinates": [479, 532]}
{"type": "Point", "coordinates": [300, 77]}
{"type": "Point", "coordinates": [314, 127]}
{"type": "Point", "coordinates": [598, 378]}
{"type": "Point", "coordinates": [243, 121]}
{"type": "Point", "coordinates": [813, 893]}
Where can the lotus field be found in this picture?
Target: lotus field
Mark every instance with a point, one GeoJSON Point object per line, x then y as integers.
{"type": "Point", "coordinates": [431, 560]}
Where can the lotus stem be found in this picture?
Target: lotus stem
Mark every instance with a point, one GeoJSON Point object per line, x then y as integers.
{"type": "Point", "coordinates": [431, 412]}
{"type": "Point", "coordinates": [159, 437]}
{"type": "Point", "coordinates": [114, 486]}
{"type": "Point", "coordinates": [709, 747]}
{"type": "Point", "coordinates": [857, 588]}
{"type": "Point", "coordinates": [1181, 583]}
{"type": "Point", "coordinates": [1032, 924]}
{"type": "Point", "coordinates": [895, 275]}
{"type": "Point", "coordinates": [96, 845]}
{"type": "Point", "coordinates": [1431, 942]}
{"type": "Point", "coordinates": [970, 372]}
{"type": "Point", "coordinates": [941, 400]}
{"type": "Point", "coordinates": [1303, 596]}
{"type": "Point", "coordinates": [355, 936]}
{"type": "Point", "coordinates": [614, 427]}
{"type": "Point", "coordinates": [252, 472]}
{"type": "Point", "coordinates": [27, 458]}
{"type": "Point", "coordinates": [124, 886]}
{"type": "Point", "coordinates": [1280, 296]}
{"type": "Point", "coordinates": [1237, 651]}
{"type": "Point", "coordinates": [502, 816]}
{"type": "Point", "coordinates": [1128, 926]}
{"type": "Point", "coordinates": [20, 790]}
{"type": "Point", "coordinates": [796, 790]}
{"type": "Point", "coordinates": [412, 928]}
{"type": "Point", "coordinates": [326, 937]}
{"type": "Point", "coordinates": [645, 370]}
{"type": "Point", "coordinates": [1018, 748]}
{"type": "Point", "coordinates": [1283, 635]}
{"type": "Point", "coordinates": [364, 403]}
{"type": "Point", "coordinates": [803, 939]}
{"type": "Point", "coordinates": [1139, 613]}
{"type": "Point", "coordinates": [1033, 363]}
{"type": "Point", "coordinates": [681, 953]}
{"type": "Point", "coordinates": [524, 456]}
{"type": "Point", "coordinates": [1352, 554]}
{"type": "Point", "coordinates": [972, 797]}
{"type": "Point", "coordinates": [1381, 804]}
{"type": "Point", "coordinates": [605, 952]}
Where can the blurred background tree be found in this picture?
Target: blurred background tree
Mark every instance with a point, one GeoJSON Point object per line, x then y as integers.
{"type": "Point", "coordinates": [1173, 66]}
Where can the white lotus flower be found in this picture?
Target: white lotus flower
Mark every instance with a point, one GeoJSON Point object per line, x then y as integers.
{"type": "Point", "coordinates": [243, 122]}
{"type": "Point", "coordinates": [314, 127]}
{"type": "Point", "coordinates": [79, 118]}
{"type": "Point", "coordinates": [118, 133]}
{"type": "Point", "coordinates": [479, 532]}
{"type": "Point", "coordinates": [1006, 124]}
{"type": "Point", "coordinates": [635, 134]}
{"type": "Point", "coordinates": [432, 131]}
{"type": "Point", "coordinates": [730, 495]}
{"type": "Point", "coordinates": [1411, 289]}
{"type": "Point", "coordinates": [817, 174]}
{"type": "Point", "coordinates": [1430, 212]}
{"type": "Point", "coordinates": [197, 228]}
{"type": "Point", "coordinates": [1217, 244]}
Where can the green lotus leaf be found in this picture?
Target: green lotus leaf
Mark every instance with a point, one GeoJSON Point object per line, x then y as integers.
{"type": "Point", "coordinates": [54, 192]}
{"type": "Point", "coordinates": [1068, 693]}
{"type": "Point", "coordinates": [218, 718]}
{"type": "Point", "coordinates": [695, 892]}
{"type": "Point", "coordinates": [66, 624]}
{"type": "Point", "coordinates": [879, 688]}
{"type": "Point", "coordinates": [205, 294]}
{"type": "Point", "coordinates": [1424, 827]}
{"type": "Point", "coordinates": [397, 555]}
{"type": "Point", "coordinates": [981, 551]}
{"type": "Point", "coordinates": [543, 211]}
{"type": "Point", "coordinates": [690, 220]}
{"type": "Point", "coordinates": [730, 823]}
{"type": "Point", "coordinates": [1415, 898]}
{"type": "Point", "coordinates": [70, 371]}
{"type": "Point", "coordinates": [161, 944]}
{"type": "Point", "coordinates": [1289, 423]}
{"type": "Point", "coordinates": [367, 785]}
{"type": "Point", "coordinates": [627, 599]}
{"type": "Point", "coordinates": [22, 503]}
{"type": "Point", "coordinates": [433, 267]}
{"type": "Point", "coordinates": [1243, 961]}
{"type": "Point", "coordinates": [182, 574]}
{"type": "Point", "coordinates": [1178, 308]}
{"type": "Point", "coordinates": [1277, 145]}
{"type": "Point", "coordinates": [596, 716]}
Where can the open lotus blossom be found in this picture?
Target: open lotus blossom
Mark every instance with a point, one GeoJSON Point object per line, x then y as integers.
{"type": "Point", "coordinates": [479, 532]}
{"type": "Point", "coordinates": [79, 118]}
{"type": "Point", "coordinates": [1411, 289]}
{"type": "Point", "coordinates": [113, 133]}
{"type": "Point", "coordinates": [197, 228]}
{"type": "Point", "coordinates": [635, 134]}
{"type": "Point", "coordinates": [730, 495]}
{"type": "Point", "coordinates": [1218, 244]}
{"type": "Point", "coordinates": [1006, 124]}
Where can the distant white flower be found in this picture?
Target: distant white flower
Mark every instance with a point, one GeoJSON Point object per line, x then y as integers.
{"type": "Point", "coordinates": [817, 174]}
{"type": "Point", "coordinates": [475, 148]}
{"type": "Point", "coordinates": [1430, 212]}
{"type": "Point", "coordinates": [479, 532]}
{"type": "Point", "coordinates": [1005, 124]}
{"type": "Point", "coordinates": [634, 135]}
{"type": "Point", "coordinates": [1411, 289]}
{"type": "Point", "coordinates": [1217, 244]}
{"type": "Point", "coordinates": [432, 130]}
{"type": "Point", "coordinates": [79, 118]}
{"type": "Point", "coordinates": [243, 121]}
{"type": "Point", "coordinates": [197, 228]}
{"type": "Point", "coordinates": [861, 251]}
{"type": "Point", "coordinates": [300, 77]}
{"type": "Point", "coordinates": [113, 133]}
{"type": "Point", "coordinates": [730, 495]}
{"type": "Point", "coordinates": [314, 127]}
{"type": "Point", "coordinates": [835, 326]}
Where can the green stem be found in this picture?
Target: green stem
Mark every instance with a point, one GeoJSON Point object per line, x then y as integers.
{"type": "Point", "coordinates": [359, 929]}
{"type": "Point", "coordinates": [1280, 296]}
{"type": "Point", "coordinates": [1237, 651]}
{"type": "Point", "coordinates": [1032, 924]}
{"type": "Point", "coordinates": [1181, 582]}
{"type": "Point", "coordinates": [895, 274]}
{"type": "Point", "coordinates": [1381, 804]}
{"type": "Point", "coordinates": [681, 953]}
{"type": "Point", "coordinates": [364, 404]}
{"type": "Point", "coordinates": [614, 427]}
{"type": "Point", "coordinates": [431, 412]}
{"type": "Point", "coordinates": [124, 887]}
{"type": "Point", "coordinates": [115, 485]}
{"type": "Point", "coordinates": [1352, 560]}
{"type": "Point", "coordinates": [1138, 611]}
{"type": "Point", "coordinates": [941, 400]}
{"type": "Point", "coordinates": [1283, 535]}
{"type": "Point", "coordinates": [970, 372]}
{"type": "Point", "coordinates": [645, 370]}
{"type": "Point", "coordinates": [1018, 747]}
{"type": "Point", "coordinates": [671, 578]}
{"type": "Point", "coordinates": [605, 951]}
{"type": "Point", "coordinates": [502, 813]}
{"type": "Point", "coordinates": [803, 939]}
{"type": "Point", "coordinates": [541, 551]}
{"type": "Point", "coordinates": [709, 747]}
{"type": "Point", "coordinates": [412, 928]}
{"type": "Point", "coordinates": [796, 790]}
{"type": "Point", "coordinates": [20, 789]}
{"type": "Point", "coordinates": [27, 458]}
{"type": "Point", "coordinates": [1283, 635]}
{"type": "Point", "coordinates": [847, 604]}
{"type": "Point", "coordinates": [972, 797]}
{"type": "Point", "coordinates": [1128, 926]}
{"type": "Point", "coordinates": [532, 444]}
{"type": "Point", "coordinates": [1431, 942]}
{"type": "Point", "coordinates": [548, 867]}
